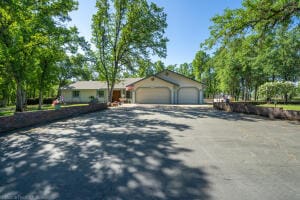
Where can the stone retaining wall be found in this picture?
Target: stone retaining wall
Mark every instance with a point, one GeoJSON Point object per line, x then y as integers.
{"type": "Point", "coordinates": [272, 113]}
{"type": "Point", "coordinates": [24, 119]}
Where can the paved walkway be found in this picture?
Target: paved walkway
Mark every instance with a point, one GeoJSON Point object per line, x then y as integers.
{"type": "Point", "coordinates": [149, 152]}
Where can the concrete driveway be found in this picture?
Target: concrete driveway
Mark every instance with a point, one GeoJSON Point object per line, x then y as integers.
{"type": "Point", "coordinates": [148, 152]}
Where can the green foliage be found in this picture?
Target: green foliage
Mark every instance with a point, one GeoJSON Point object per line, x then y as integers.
{"type": "Point", "coordinates": [34, 38]}
{"type": "Point", "coordinates": [261, 17]}
{"type": "Point", "coordinates": [271, 90]}
{"type": "Point", "coordinates": [200, 64]}
{"type": "Point", "coordinates": [125, 33]}
{"type": "Point", "coordinates": [186, 69]}
{"type": "Point", "coordinates": [283, 106]}
{"type": "Point", "coordinates": [255, 44]}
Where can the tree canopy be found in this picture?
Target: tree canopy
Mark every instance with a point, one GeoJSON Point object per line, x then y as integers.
{"type": "Point", "coordinates": [247, 47]}
{"type": "Point", "coordinates": [126, 33]}
{"type": "Point", "coordinates": [34, 38]}
{"type": "Point", "coordinates": [254, 44]}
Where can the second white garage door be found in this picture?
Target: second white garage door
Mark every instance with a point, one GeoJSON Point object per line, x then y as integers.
{"type": "Point", "coordinates": [188, 96]}
{"type": "Point", "coordinates": [153, 95]}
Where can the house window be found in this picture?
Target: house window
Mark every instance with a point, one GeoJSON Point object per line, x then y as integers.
{"type": "Point", "coordinates": [128, 94]}
{"type": "Point", "coordinates": [76, 93]}
{"type": "Point", "coordinates": [100, 93]}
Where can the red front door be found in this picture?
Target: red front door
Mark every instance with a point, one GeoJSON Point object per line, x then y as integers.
{"type": "Point", "coordinates": [116, 95]}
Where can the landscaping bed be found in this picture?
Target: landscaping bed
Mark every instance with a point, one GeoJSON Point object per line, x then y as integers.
{"type": "Point", "coordinates": [10, 110]}
{"type": "Point", "coordinates": [272, 113]}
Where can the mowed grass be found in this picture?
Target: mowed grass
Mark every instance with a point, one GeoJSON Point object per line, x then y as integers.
{"type": "Point", "coordinates": [10, 110]}
{"type": "Point", "coordinates": [284, 106]}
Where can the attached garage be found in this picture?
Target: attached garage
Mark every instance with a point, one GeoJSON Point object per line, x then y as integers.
{"type": "Point", "coordinates": [156, 95]}
{"type": "Point", "coordinates": [188, 95]}
{"type": "Point", "coordinates": [166, 87]}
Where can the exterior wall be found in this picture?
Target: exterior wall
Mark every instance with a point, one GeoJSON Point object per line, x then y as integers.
{"type": "Point", "coordinates": [84, 96]}
{"type": "Point", "coordinates": [183, 83]}
{"type": "Point", "coordinates": [178, 79]}
{"type": "Point", "coordinates": [24, 119]}
{"type": "Point", "coordinates": [201, 98]}
{"type": "Point", "coordinates": [103, 99]}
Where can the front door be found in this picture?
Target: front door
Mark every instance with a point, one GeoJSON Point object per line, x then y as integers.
{"type": "Point", "coordinates": [116, 95]}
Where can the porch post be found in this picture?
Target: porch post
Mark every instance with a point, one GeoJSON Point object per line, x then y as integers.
{"type": "Point", "coordinates": [201, 96]}
{"type": "Point", "coordinates": [172, 95]}
{"type": "Point", "coordinates": [175, 95]}
{"type": "Point", "coordinates": [133, 96]}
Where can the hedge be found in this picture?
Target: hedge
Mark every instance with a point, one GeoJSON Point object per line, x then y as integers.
{"type": "Point", "coordinates": [34, 101]}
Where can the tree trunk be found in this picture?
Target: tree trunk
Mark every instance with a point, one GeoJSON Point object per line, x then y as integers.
{"type": "Point", "coordinates": [255, 93]}
{"type": "Point", "coordinates": [110, 93]}
{"type": "Point", "coordinates": [273, 77]}
{"type": "Point", "coordinates": [5, 97]}
{"type": "Point", "coordinates": [41, 87]}
{"type": "Point", "coordinates": [19, 98]}
{"type": "Point", "coordinates": [24, 98]}
{"type": "Point", "coordinates": [285, 98]}
{"type": "Point", "coordinates": [40, 99]}
{"type": "Point", "coordinates": [58, 94]}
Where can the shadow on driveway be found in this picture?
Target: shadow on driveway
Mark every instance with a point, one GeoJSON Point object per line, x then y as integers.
{"type": "Point", "coordinates": [113, 154]}
{"type": "Point", "coordinates": [194, 112]}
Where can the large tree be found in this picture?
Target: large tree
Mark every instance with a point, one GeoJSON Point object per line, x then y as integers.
{"type": "Point", "coordinates": [260, 17]}
{"type": "Point", "coordinates": [200, 63]}
{"type": "Point", "coordinates": [125, 32]}
{"type": "Point", "coordinates": [186, 69]}
{"type": "Point", "coordinates": [253, 44]}
{"type": "Point", "coordinates": [26, 26]}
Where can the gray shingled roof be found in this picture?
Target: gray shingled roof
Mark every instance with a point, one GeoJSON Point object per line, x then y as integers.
{"type": "Point", "coordinates": [90, 85]}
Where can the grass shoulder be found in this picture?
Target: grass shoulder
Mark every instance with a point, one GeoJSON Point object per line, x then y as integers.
{"type": "Point", "coordinates": [10, 110]}
{"type": "Point", "coordinates": [283, 106]}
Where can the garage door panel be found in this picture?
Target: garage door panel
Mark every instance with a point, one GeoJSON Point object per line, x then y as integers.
{"type": "Point", "coordinates": [153, 96]}
{"type": "Point", "coordinates": [188, 96]}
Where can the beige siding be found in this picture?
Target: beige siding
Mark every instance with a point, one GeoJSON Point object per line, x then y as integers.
{"type": "Point", "coordinates": [84, 96]}
{"type": "Point", "coordinates": [189, 95]}
{"type": "Point", "coordinates": [180, 80]}
{"type": "Point", "coordinates": [103, 99]}
{"type": "Point", "coordinates": [153, 82]}
{"type": "Point", "coordinates": [67, 94]}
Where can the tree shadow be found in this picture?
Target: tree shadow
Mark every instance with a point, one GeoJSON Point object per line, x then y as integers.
{"type": "Point", "coordinates": [196, 112]}
{"type": "Point", "coordinates": [112, 154]}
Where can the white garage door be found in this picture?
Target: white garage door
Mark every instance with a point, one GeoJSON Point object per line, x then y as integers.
{"type": "Point", "coordinates": [188, 96]}
{"type": "Point", "coordinates": [153, 95]}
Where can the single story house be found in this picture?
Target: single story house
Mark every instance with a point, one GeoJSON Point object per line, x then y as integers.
{"type": "Point", "coordinates": [166, 87]}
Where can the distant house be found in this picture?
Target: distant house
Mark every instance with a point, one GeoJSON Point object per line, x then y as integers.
{"type": "Point", "coordinates": [166, 87]}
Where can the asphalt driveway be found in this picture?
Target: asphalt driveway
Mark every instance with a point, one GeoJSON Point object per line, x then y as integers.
{"type": "Point", "coordinates": [151, 152]}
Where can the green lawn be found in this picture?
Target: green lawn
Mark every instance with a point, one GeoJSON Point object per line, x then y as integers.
{"type": "Point", "coordinates": [284, 106]}
{"type": "Point", "coordinates": [9, 110]}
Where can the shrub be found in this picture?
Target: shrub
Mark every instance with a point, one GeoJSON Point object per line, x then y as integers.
{"type": "Point", "coordinates": [271, 90]}
{"type": "Point", "coordinates": [35, 101]}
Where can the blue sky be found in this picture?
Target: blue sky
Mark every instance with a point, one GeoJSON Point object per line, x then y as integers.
{"type": "Point", "coordinates": [188, 22]}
